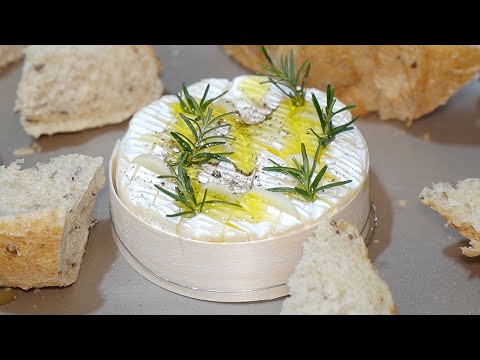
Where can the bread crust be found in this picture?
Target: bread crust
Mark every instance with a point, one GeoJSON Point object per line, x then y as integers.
{"type": "Point", "coordinates": [464, 228]}
{"type": "Point", "coordinates": [151, 53]}
{"type": "Point", "coordinates": [68, 88]}
{"type": "Point", "coordinates": [43, 238]}
{"type": "Point", "coordinates": [10, 54]}
{"type": "Point", "coordinates": [402, 82]}
{"type": "Point", "coordinates": [30, 249]}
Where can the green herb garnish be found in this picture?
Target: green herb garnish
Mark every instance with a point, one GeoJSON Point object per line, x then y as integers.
{"type": "Point", "coordinates": [286, 75]}
{"type": "Point", "coordinates": [203, 127]}
{"type": "Point", "coordinates": [307, 185]}
{"type": "Point", "coordinates": [329, 131]}
{"type": "Point", "coordinates": [184, 192]}
{"type": "Point", "coordinates": [190, 105]}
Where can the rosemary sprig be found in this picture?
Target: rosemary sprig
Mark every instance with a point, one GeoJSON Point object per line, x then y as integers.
{"type": "Point", "coordinates": [202, 128]}
{"type": "Point", "coordinates": [190, 106]}
{"type": "Point", "coordinates": [329, 131]}
{"type": "Point", "coordinates": [286, 75]}
{"type": "Point", "coordinates": [184, 192]}
{"type": "Point", "coordinates": [307, 185]}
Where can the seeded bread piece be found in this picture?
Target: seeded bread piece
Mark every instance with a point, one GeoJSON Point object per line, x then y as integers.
{"type": "Point", "coordinates": [45, 216]}
{"type": "Point", "coordinates": [68, 88]}
{"type": "Point", "coordinates": [335, 276]}
{"type": "Point", "coordinates": [459, 205]}
{"type": "Point", "coordinates": [401, 82]}
{"type": "Point", "coordinates": [9, 54]}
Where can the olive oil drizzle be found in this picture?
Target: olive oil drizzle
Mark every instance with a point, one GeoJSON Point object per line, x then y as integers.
{"type": "Point", "coordinates": [293, 123]}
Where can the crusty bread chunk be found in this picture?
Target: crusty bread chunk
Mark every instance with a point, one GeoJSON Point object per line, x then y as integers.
{"type": "Point", "coordinates": [401, 82]}
{"type": "Point", "coordinates": [67, 88]}
{"type": "Point", "coordinates": [45, 216]}
{"type": "Point", "coordinates": [336, 277]}
{"type": "Point", "coordinates": [459, 204]}
{"type": "Point", "coordinates": [9, 54]}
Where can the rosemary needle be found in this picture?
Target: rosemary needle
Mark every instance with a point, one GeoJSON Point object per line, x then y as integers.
{"type": "Point", "coordinates": [326, 117]}
{"type": "Point", "coordinates": [203, 128]}
{"type": "Point", "coordinates": [286, 75]}
{"type": "Point", "coordinates": [304, 176]}
{"type": "Point", "coordinates": [184, 192]}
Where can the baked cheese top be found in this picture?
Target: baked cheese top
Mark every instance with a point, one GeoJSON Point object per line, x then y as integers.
{"type": "Point", "coordinates": [266, 127]}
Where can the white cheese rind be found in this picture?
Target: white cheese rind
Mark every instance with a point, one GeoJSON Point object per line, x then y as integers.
{"type": "Point", "coordinates": [347, 158]}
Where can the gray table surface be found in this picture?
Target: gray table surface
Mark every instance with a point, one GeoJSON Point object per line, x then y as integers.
{"type": "Point", "coordinates": [418, 257]}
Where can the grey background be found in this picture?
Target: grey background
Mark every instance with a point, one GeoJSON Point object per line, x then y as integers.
{"type": "Point", "coordinates": [414, 253]}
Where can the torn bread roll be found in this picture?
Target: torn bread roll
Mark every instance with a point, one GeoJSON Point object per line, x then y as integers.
{"type": "Point", "coordinates": [401, 82]}
{"type": "Point", "coordinates": [336, 277]}
{"type": "Point", "coordinates": [68, 88]}
{"type": "Point", "coordinates": [459, 205]}
{"type": "Point", "coordinates": [45, 216]}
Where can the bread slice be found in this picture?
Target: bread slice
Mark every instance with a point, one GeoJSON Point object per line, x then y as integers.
{"type": "Point", "coordinates": [9, 54]}
{"type": "Point", "coordinates": [67, 88]}
{"type": "Point", "coordinates": [459, 204]}
{"type": "Point", "coordinates": [45, 216]}
{"type": "Point", "coordinates": [335, 276]}
{"type": "Point", "coordinates": [401, 82]}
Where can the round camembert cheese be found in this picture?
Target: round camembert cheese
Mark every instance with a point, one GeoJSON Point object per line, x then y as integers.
{"type": "Point", "coordinates": [266, 127]}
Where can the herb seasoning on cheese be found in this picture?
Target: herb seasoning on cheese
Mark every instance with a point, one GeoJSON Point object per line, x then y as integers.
{"type": "Point", "coordinates": [242, 160]}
